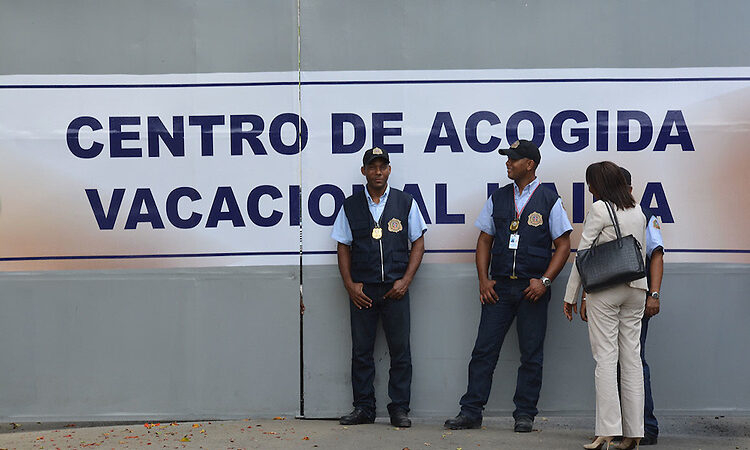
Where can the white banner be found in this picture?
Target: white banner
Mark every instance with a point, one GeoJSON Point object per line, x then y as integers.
{"type": "Point", "coordinates": [123, 171]}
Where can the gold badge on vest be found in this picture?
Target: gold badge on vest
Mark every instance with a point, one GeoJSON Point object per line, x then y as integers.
{"type": "Point", "coordinates": [377, 232]}
{"type": "Point", "coordinates": [535, 219]}
{"type": "Point", "coordinates": [394, 225]}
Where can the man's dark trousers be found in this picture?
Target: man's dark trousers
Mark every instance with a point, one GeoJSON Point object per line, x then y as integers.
{"type": "Point", "coordinates": [496, 319]}
{"type": "Point", "coordinates": [651, 425]}
{"type": "Point", "coordinates": [364, 323]}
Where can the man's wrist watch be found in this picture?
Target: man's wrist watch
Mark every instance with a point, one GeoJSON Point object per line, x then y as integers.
{"type": "Point", "coordinates": [654, 295]}
{"type": "Point", "coordinates": [546, 281]}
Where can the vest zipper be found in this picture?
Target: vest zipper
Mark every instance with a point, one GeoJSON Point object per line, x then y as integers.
{"type": "Point", "coordinates": [382, 264]}
{"type": "Point", "coordinates": [513, 274]}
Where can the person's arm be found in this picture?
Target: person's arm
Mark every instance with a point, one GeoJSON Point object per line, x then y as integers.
{"type": "Point", "coordinates": [416, 229]}
{"type": "Point", "coordinates": [357, 296]}
{"type": "Point", "coordinates": [487, 294]}
{"type": "Point", "coordinates": [559, 228]}
{"type": "Point", "coordinates": [562, 250]}
{"type": "Point", "coordinates": [584, 316]}
{"type": "Point", "coordinates": [592, 226]}
{"type": "Point", "coordinates": [655, 252]}
{"type": "Point", "coordinates": [656, 272]}
{"type": "Point", "coordinates": [401, 285]}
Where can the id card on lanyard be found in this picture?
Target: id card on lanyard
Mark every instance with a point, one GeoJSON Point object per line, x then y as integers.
{"type": "Point", "coordinates": [514, 237]}
{"type": "Point", "coordinates": [513, 244]}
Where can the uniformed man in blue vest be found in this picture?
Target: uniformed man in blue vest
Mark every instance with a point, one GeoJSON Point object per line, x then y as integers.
{"type": "Point", "coordinates": [374, 229]}
{"type": "Point", "coordinates": [519, 224]}
{"type": "Point", "coordinates": [654, 274]}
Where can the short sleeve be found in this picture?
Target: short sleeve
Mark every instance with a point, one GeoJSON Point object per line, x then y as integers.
{"type": "Point", "coordinates": [653, 236]}
{"type": "Point", "coordinates": [484, 221]}
{"type": "Point", "coordinates": [417, 225]}
{"type": "Point", "coordinates": [342, 232]}
{"type": "Point", "coordinates": [559, 223]}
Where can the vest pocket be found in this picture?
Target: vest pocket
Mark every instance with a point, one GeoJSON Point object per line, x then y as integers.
{"type": "Point", "coordinates": [400, 257]}
{"type": "Point", "coordinates": [498, 248]}
{"type": "Point", "coordinates": [538, 258]}
{"type": "Point", "coordinates": [360, 229]}
{"type": "Point", "coordinates": [502, 223]}
{"type": "Point", "coordinates": [400, 261]}
{"type": "Point", "coordinates": [539, 251]}
{"type": "Point", "coordinates": [359, 256]}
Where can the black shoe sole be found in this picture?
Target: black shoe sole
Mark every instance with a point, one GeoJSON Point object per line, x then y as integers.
{"type": "Point", "coordinates": [472, 426]}
{"type": "Point", "coordinates": [523, 427]}
{"type": "Point", "coordinates": [402, 425]}
{"type": "Point", "coordinates": [357, 423]}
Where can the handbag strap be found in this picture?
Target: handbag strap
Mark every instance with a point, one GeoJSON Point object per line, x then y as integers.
{"type": "Point", "coordinates": [616, 224]}
{"type": "Point", "coordinates": [613, 216]}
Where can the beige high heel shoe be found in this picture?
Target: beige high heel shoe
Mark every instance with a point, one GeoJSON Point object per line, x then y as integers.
{"type": "Point", "coordinates": [629, 443]}
{"type": "Point", "coordinates": [599, 443]}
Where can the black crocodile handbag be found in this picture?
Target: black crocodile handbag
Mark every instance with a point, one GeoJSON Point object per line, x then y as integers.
{"type": "Point", "coordinates": [610, 263]}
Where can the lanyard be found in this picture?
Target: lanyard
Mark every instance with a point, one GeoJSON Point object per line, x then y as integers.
{"type": "Point", "coordinates": [518, 212]}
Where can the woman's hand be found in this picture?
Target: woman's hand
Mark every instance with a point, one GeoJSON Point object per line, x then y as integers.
{"type": "Point", "coordinates": [569, 309]}
{"type": "Point", "coordinates": [584, 316]}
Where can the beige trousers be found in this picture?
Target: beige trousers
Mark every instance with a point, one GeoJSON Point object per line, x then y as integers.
{"type": "Point", "coordinates": [614, 319]}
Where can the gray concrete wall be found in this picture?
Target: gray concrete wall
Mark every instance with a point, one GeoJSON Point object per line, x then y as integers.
{"type": "Point", "coordinates": [445, 34]}
{"type": "Point", "coordinates": [690, 345]}
{"type": "Point", "coordinates": [225, 342]}
{"type": "Point", "coordinates": [142, 36]}
{"type": "Point", "coordinates": [162, 344]}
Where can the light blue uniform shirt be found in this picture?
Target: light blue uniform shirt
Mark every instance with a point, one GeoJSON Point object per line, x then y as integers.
{"type": "Point", "coordinates": [653, 236]}
{"type": "Point", "coordinates": [342, 232]}
{"type": "Point", "coordinates": [558, 219]}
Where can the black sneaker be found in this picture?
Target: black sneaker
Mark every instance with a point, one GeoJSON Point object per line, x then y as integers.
{"type": "Point", "coordinates": [462, 422]}
{"type": "Point", "coordinates": [357, 417]}
{"type": "Point", "coordinates": [400, 419]}
{"type": "Point", "coordinates": [649, 439]}
{"type": "Point", "coordinates": [524, 424]}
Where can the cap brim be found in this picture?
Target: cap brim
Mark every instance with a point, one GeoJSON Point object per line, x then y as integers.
{"type": "Point", "coordinates": [374, 157]}
{"type": "Point", "coordinates": [511, 153]}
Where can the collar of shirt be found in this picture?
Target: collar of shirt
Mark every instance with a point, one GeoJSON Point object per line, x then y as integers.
{"type": "Point", "coordinates": [383, 198]}
{"type": "Point", "coordinates": [526, 190]}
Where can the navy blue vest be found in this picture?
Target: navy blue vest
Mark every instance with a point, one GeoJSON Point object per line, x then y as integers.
{"type": "Point", "coordinates": [379, 260]}
{"type": "Point", "coordinates": [534, 251]}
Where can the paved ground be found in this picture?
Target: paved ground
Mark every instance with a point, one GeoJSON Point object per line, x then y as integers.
{"type": "Point", "coordinates": [705, 433]}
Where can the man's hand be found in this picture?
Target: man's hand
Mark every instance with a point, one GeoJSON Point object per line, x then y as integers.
{"type": "Point", "coordinates": [584, 316]}
{"type": "Point", "coordinates": [487, 294]}
{"type": "Point", "coordinates": [569, 309]}
{"type": "Point", "coordinates": [652, 307]}
{"type": "Point", "coordinates": [357, 296]}
{"type": "Point", "coordinates": [535, 290]}
{"type": "Point", "coordinates": [398, 290]}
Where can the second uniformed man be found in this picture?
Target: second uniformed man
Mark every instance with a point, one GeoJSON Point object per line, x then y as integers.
{"type": "Point", "coordinates": [519, 223]}
{"type": "Point", "coordinates": [374, 229]}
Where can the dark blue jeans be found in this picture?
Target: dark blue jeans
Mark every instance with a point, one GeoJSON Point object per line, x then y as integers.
{"type": "Point", "coordinates": [364, 323]}
{"type": "Point", "coordinates": [651, 425]}
{"type": "Point", "coordinates": [496, 319]}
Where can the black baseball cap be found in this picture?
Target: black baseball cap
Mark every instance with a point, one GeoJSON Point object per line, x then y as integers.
{"type": "Point", "coordinates": [522, 149]}
{"type": "Point", "coordinates": [373, 153]}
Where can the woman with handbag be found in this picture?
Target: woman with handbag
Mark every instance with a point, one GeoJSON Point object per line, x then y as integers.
{"type": "Point", "coordinates": [610, 267]}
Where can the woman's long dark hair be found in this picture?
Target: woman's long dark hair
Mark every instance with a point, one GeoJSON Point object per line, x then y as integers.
{"type": "Point", "coordinates": [608, 183]}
